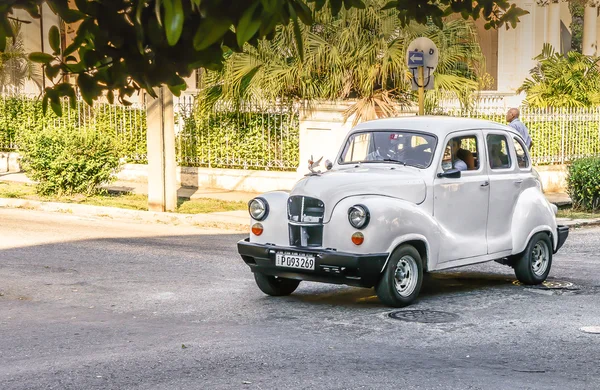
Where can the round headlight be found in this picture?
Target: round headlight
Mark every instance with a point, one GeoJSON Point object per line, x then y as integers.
{"type": "Point", "coordinates": [258, 209]}
{"type": "Point", "coordinates": [358, 216]}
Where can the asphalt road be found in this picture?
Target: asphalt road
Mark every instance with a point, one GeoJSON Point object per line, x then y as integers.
{"type": "Point", "coordinates": [102, 304]}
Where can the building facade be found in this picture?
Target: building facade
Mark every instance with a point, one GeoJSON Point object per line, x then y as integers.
{"type": "Point", "coordinates": [509, 53]}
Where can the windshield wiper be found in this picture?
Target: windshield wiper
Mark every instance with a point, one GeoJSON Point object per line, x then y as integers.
{"type": "Point", "coordinates": [392, 160]}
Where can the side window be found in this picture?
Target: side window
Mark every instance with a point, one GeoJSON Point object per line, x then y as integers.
{"type": "Point", "coordinates": [461, 153]}
{"type": "Point", "coordinates": [522, 159]}
{"type": "Point", "coordinates": [498, 151]}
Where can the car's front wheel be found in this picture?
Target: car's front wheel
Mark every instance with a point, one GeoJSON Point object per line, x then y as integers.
{"type": "Point", "coordinates": [402, 278]}
{"type": "Point", "coordinates": [533, 265]}
{"type": "Point", "coordinates": [275, 286]}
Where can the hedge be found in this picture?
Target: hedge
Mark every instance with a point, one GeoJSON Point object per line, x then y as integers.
{"type": "Point", "coordinates": [219, 139]}
{"type": "Point", "coordinates": [560, 135]}
{"type": "Point", "coordinates": [20, 116]}
{"type": "Point", "coordinates": [583, 183]}
{"type": "Point", "coordinates": [246, 140]}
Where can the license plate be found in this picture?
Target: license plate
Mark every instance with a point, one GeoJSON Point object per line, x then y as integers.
{"type": "Point", "coordinates": [295, 260]}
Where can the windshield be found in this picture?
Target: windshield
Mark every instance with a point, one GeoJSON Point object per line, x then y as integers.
{"type": "Point", "coordinates": [400, 146]}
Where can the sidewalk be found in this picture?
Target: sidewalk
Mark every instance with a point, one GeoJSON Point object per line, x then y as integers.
{"type": "Point", "coordinates": [236, 220]}
{"type": "Point", "coordinates": [142, 188]}
{"type": "Point", "coordinates": [560, 199]}
{"type": "Point", "coordinates": [233, 220]}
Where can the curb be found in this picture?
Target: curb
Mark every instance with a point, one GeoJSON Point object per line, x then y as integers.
{"type": "Point", "coordinates": [581, 223]}
{"type": "Point", "coordinates": [210, 220]}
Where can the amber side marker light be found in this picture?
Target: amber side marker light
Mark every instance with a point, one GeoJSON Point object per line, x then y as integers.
{"type": "Point", "coordinates": [358, 238]}
{"type": "Point", "coordinates": [257, 229]}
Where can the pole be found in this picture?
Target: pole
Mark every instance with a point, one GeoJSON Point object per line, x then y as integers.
{"type": "Point", "coordinates": [162, 167]}
{"type": "Point", "coordinates": [421, 84]}
{"type": "Point", "coordinates": [42, 44]}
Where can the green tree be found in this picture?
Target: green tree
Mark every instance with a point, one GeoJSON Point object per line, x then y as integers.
{"type": "Point", "coordinates": [570, 80]}
{"type": "Point", "coordinates": [577, 9]}
{"type": "Point", "coordinates": [15, 67]}
{"type": "Point", "coordinates": [358, 54]}
{"type": "Point", "coordinates": [125, 45]}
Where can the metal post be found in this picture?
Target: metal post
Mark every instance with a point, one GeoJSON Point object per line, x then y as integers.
{"type": "Point", "coordinates": [421, 85]}
{"type": "Point", "coordinates": [41, 7]}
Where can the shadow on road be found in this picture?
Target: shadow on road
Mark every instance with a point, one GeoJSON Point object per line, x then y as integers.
{"type": "Point", "coordinates": [200, 263]}
{"type": "Point", "coordinates": [435, 284]}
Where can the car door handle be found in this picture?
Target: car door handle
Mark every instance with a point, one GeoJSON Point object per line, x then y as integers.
{"type": "Point", "coordinates": [517, 182]}
{"type": "Point", "coordinates": [485, 183]}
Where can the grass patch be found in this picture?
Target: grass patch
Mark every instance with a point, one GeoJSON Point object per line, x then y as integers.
{"type": "Point", "coordinates": [208, 205]}
{"type": "Point", "coordinates": [574, 214]}
{"type": "Point", "coordinates": [121, 200]}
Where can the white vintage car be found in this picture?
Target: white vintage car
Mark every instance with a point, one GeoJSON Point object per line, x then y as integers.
{"type": "Point", "coordinates": [406, 196]}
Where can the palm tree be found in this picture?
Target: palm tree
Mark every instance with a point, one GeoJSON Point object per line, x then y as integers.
{"type": "Point", "coordinates": [358, 55]}
{"type": "Point", "coordinates": [15, 67]}
{"type": "Point", "coordinates": [570, 80]}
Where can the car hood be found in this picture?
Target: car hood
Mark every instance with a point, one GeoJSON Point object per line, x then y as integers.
{"type": "Point", "coordinates": [331, 187]}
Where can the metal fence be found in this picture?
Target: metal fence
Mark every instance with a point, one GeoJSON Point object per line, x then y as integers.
{"type": "Point", "coordinates": [22, 114]}
{"type": "Point", "coordinates": [245, 136]}
{"type": "Point", "coordinates": [559, 135]}
{"type": "Point", "coordinates": [267, 137]}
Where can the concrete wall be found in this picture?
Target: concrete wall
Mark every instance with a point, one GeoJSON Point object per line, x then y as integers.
{"type": "Point", "coordinates": [229, 179]}
{"type": "Point", "coordinates": [554, 177]}
{"type": "Point", "coordinates": [322, 131]}
{"type": "Point", "coordinates": [9, 162]}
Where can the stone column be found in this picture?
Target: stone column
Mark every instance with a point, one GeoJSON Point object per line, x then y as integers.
{"type": "Point", "coordinates": [162, 166]}
{"type": "Point", "coordinates": [553, 25]}
{"type": "Point", "coordinates": [590, 18]}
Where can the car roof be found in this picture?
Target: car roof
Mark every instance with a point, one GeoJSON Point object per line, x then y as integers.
{"type": "Point", "coordinates": [437, 125]}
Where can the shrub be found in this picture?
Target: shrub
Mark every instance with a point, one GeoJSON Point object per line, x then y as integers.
{"type": "Point", "coordinates": [68, 162]}
{"type": "Point", "coordinates": [584, 183]}
{"type": "Point", "coordinates": [563, 80]}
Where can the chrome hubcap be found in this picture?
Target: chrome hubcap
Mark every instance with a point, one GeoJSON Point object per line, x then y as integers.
{"type": "Point", "coordinates": [540, 256]}
{"type": "Point", "coordinates": [405, 276]}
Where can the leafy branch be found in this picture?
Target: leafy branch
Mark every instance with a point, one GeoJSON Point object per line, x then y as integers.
{"type": "Point", "coordinates": [150, 43]}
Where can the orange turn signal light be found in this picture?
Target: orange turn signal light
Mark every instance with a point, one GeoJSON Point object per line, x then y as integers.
{"type": "Point", "coordinates": [257, 229]}
{"type": "Point", "coordinates": [358, 238]}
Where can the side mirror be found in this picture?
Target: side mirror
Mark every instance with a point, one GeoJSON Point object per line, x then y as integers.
{"type": "Point", "coordinates": [328, 164]}
{"type": "Point", "coordinates": [450, 174]}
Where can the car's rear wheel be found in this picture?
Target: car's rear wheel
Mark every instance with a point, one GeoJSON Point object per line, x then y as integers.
{"type": "Point", "coordinates": [275, 286]}
{"type": "Point", "coordinates": [533, 265]}
{"type": "Point", "coordinates": [402, 278]}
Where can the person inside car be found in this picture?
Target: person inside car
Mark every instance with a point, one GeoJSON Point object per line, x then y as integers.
{"type": "Point", "coordinates": [497, 158]}
{"type": "Point", "coordinates": [457, 162]}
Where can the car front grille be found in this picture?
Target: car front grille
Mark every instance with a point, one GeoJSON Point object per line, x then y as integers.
{"type": "Point", "coordinates": [305, 216]}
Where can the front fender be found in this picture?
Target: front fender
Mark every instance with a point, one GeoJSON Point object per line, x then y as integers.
{"type": "Point", "coordinates": [533, 214]}
{"type": "Point", "coordinates": [393, 222]}
{"type": "Point", "coordinates": [275, 225]}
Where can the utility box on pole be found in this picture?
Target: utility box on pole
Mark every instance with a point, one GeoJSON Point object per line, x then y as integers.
{"type": "Point", "coordinates": [162, 165]}
{"type": "Point", "coordinates": [422, 58]}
